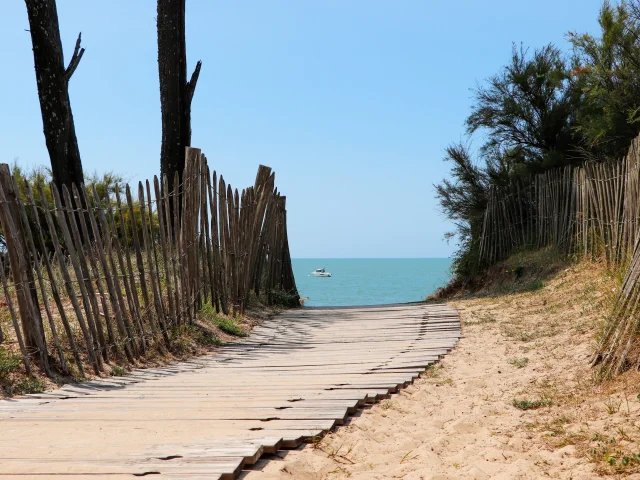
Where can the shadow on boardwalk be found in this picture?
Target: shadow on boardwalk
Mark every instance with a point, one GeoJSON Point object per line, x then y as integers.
{"type": "Point", "coordinates": [294, 378]}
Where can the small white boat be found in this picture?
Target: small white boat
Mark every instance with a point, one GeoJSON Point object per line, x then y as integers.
{"type": "Point", "coordinates": [320, 273]}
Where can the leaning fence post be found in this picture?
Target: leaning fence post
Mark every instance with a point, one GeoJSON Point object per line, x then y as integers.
{"type": "Point", "coordinates": [20, 263]}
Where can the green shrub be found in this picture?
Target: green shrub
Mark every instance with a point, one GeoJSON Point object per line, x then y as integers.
{"type": "Point", "coordinates": [531, 404]}
{"type": "Point", "coordinates": [29, 385]}
{"type": "Point", "coordinates": [227, 325]}
{"type": "Point", "coordinates": [118, 371]}
{"type": "Point", "coordinates": [284, 299]}
{"type": "Point", "coordinates": [106, 185]}
{"type": "Point", "coordinates": [518, 271]}
{"type": "Point", "coordinates": [534, 285]}
{"type": "Point", "coordinates": [9, 362]}
{"type": "Point", "coordinates": [185, 339]}
{"type": "Point", "coordinates": [519, 362]}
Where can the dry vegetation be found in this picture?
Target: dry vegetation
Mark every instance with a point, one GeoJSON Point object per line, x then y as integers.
{"type": "Point", "coordinates": [516, 399]}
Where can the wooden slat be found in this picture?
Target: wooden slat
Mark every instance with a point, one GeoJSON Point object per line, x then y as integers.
{"type": "Point", "coordinates": [217, 413]}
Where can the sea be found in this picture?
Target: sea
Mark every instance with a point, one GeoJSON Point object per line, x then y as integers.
{"type": "Point", "coordinates": [369, 281]}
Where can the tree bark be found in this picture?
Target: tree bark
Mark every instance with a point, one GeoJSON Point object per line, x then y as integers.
{"type": "Point", "coordinates": [175, 92]}
{"type": "Point", "coordinates": [53, 90]}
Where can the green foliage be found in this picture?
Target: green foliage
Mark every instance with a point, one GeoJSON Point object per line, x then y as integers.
{"type": "Point", "coordinates": [230, 326]}
{"type": "Point", "coordinates": [208, 311]}
{"type": "Point", "coordinates": [284, 299]}
{"type": "Point", "coordinates": [463, 198]}
{"type": "Point", "coordinates": [187, 339]}
{"type": "Point", "coordinates": [106, 185]}
{"type": "Point", "coordinates": [542, 111]}
{"type": "Point", "coordinates": [531, 404]}
{"type": "Point", "coordinates": [201, 336]}
{"type": "Point", "coordinates": [518, 271]}
{"type": "Point", "coordinates": [206, 337]}
{"type": "Point", "coordinates": [29, 385]}
{"type": "Point", "coordinates": [519, 362]}
{"type": "Point", "coordinates": [227, 325]}
{"type": "Point", "coordinates": [526, 112]}
{"type": "Point", "coordinates": [118, 371]}
{"type": "Point", "coordinates": [625, 460]}
{"type": "Point", "coordinates": [126, 235]}
{"type": "Point", "coordinates": [534, 285]}
{"type": "Point", "coordinates": [607, 68]}
{"type": "Point", "coordinates": [9, 362]}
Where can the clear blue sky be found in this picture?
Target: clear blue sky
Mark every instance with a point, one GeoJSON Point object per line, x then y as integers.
{"type": "Point", "coordinates": [351, 102]}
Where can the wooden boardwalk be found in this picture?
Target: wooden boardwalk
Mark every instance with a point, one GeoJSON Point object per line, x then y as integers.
{"type": "Point", "coordinates": [295, 377]}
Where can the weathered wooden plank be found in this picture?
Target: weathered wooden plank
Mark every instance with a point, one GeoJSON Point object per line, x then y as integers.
{"type": "Point", "coordinates": [35, 258]}
{"type": "Point", "coordinates": [26, 293]}
{"type": "Point", "coordinates": [52, 281]}
{"type": "Point", "coordinates": [76, 251]}
{"type": "Point", "coordinates": [95, 360]}
{"type": "Point", "coordinates": [96, 275]}
{"type": "Point", "coordinates": [223, 406]}
{"type": "Point", "coordinates": [102, 251]}
{"type": "Point", "coordinates": [151, 261]}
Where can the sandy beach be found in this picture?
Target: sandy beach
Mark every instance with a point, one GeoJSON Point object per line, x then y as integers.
{"type": "Point", "coordinates": [516, 399]}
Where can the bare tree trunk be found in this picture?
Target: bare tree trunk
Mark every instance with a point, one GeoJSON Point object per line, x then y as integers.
{"type": "Point", "coordinates": [175, 92]}
{"type": "Point", "coordinates": [53, 82]}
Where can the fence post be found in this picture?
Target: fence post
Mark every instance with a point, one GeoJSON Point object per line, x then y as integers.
{"type": "Point", "coordinates": [21, 270]}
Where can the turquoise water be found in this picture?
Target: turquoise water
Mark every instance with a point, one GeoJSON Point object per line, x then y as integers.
{"type": "Point", "coordinates": [370, 281]}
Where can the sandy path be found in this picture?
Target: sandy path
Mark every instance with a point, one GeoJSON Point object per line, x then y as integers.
{"type": "Point", "coordinates": [459, 422]}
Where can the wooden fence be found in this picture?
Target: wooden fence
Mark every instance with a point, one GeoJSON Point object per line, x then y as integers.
{"type": "Point", "coordinates": [590, 210]}
{"type": "Point", "coordinates": [95, 277]}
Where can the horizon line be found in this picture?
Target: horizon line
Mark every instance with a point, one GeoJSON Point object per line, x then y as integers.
{"type": "Point", "coordinates": [370, 258]}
